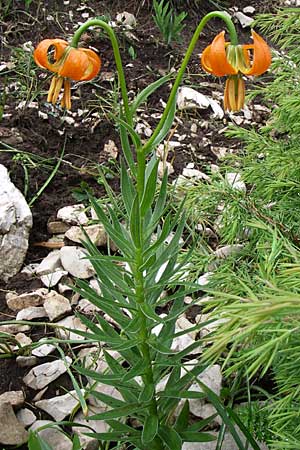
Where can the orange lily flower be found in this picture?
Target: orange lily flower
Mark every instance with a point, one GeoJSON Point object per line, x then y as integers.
{"type": "Point", "coordinates": [222, 58]}
{"type": "Point", "coordinates": [68, 63]}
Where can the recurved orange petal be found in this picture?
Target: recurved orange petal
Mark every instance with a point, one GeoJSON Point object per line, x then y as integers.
{"type": "Point", "coordinates": [41, 56]}
{"type": "Point", "coordinates": [95, 64]}
{"type": "Point", "coordinates": [214, 58]}
{"type": "Point", "coordinates": [74, 65]}
{"type": "Point", "coordinates": [261, 55]}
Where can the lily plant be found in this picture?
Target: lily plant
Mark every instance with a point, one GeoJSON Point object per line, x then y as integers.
{"type": "Point", "coordinates": [138, 347]}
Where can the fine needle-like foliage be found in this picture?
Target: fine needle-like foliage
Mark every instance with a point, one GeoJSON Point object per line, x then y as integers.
{"type": "Point", "coordinates": [255, 291]}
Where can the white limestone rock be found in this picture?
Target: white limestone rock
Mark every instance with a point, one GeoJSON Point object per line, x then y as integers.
{"type": "Point", "coordinates": [61, 406]}
{"type": "Point", "coordinates": [15, 226]}
{"type": "Point", "coordinates": [44, 349]}
{"type": "Point", "coordinates": [73, 214]}
{"type": "Point", "coordinates": [17, 302]}
{"type": "Point", "coordinates": [41, 376]}
{"type": "Point", "coordinates": [244, 20]}
{"type": "Point", "coordinates": [49, 264]}
{"type": "Point", "coordinates": [22, 340]}
{"type": "Point", "coordinates": [56, 305]}
{"type": "Point", "coordinates": [228, 250]}
{"type": "Point", "coordinates": [12, 432]}
{"type": "Point", "coordinates": [72, 322]}
{"type": "Point", "coordinates": [127, 19]}
{"type": "Point", "coordinates": [51, 279]}
{"type": "Point", "coordinates": [74, 261]}
{"type": "Point", "coordinates": [189, 98]}
{"type": "Point", "coordinates": [203, 280]}
{"type": "Point", "coordinates": [96, 234]}
{"type": "Point", "coordinates": [52, 435]}
{"type": "Point", "coordinates": [234, 179]}
{"type": "Point", "coordinates": [30, 313]}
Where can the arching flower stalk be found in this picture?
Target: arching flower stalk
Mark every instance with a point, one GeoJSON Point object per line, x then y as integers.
{"type": "Point", "coordinates": [222, 58]}
{"type": "Point", "coordinates": [68, 63]}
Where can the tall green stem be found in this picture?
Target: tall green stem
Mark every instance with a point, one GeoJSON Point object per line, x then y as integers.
{"type": "Point", "coordinates": [116, 50]}
{"type": "Point", "coordinates": [234, 41]}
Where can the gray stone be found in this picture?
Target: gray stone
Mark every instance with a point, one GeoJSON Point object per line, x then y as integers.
{"type": "Point", "coordinates": [15, 398]}
{"type": "Point", "coordinates": [12, 432]}
{"type": "Point", "coordinates": [61, 406]}
{"type": "Point", "coordinates": [57, 227]}
{"type": "Point", "coordinates": [99, 426]}
{"type": "Point", "coordinates": [26, 417]}
{"type": "Point", "coordinates": [22, 340]}
{"type": "Point", "coordinates": [26, 361]}
{"type": "Point", "coordinates": [17, 302]}
{"type": "Point", "coordinates": [228, 443]}
{"type": "Point", "coordinates": [52, 435]}
{"type": "Point", "coordinates": [56, 305]}
{"type": "Point", "coordinates": [74, 260]}
{"type": "Point", "coordinates": [14, 328]}
{"type": "Point", "coordinates": [41, 376]}
{"type": "Point", "coordinates": [15, 226]}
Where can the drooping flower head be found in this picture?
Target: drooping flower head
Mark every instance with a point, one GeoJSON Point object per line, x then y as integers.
{"type": "Point", "coordinates": [222, 58]}
{"type": "Point", "coordinates": [68, 63]}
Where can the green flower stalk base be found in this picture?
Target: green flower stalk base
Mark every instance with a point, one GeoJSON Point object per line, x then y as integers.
{"type": "Point", "coordinates": [144, 258]}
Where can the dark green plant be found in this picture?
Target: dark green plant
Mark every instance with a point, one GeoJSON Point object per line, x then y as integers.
{"type": "Point", "coordinates": [169, 24]}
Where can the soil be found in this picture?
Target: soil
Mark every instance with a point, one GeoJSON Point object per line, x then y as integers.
{"type": "Point", "coordinates": [44, 132]}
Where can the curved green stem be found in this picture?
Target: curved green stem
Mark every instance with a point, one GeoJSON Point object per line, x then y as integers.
{"type": "Point", "coordinates": [234, 41]}
{"type": "Point", "coordinates": [116, 50]}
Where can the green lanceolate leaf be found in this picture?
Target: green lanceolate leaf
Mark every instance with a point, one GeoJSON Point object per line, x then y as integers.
{"type": "Point", "coordinates": [147, 393]}
{"type": "Point", "coordinates": [116, 413]}
{"type": "Point", "coordinates": [35, 442]}
{"type": "Point", "coordinates": [137, 369]}
{"type": "Point", "coordinates": [150, 188]}
{"type": "Point", "coordinates": [107, 399]}
{"type": "Point", "coordinates": [145, 93]}
{"type": "Point", "coordinates": [182, 420]}
{"type": "Point", "coordinates": [188, 436]}
{"type": "Point", "coordinates": [170, 437]}
{"type": "Point", "coordinates": [150, 313]}
{"type": "Point", "coordinates": [76, 443]}
{"type": "Point", "coordinates": [126, 149]}
{"type": "Point", "coordinates": [133, 134]}
{"type": "Point", "coordinates": [116, 237]}
{"type": "Point", "coordinates": [166, 127]}
{"type": "Point", "coordinates": [215, 401]}
{"type": "Point", "coordinates": [161, 200]}
{"type": "Point", "coordinates": [127, 188]}
{"type": "Point", "coordinates": [150, 429]}
{"type": "Point", "coordinates": [135, 223]}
